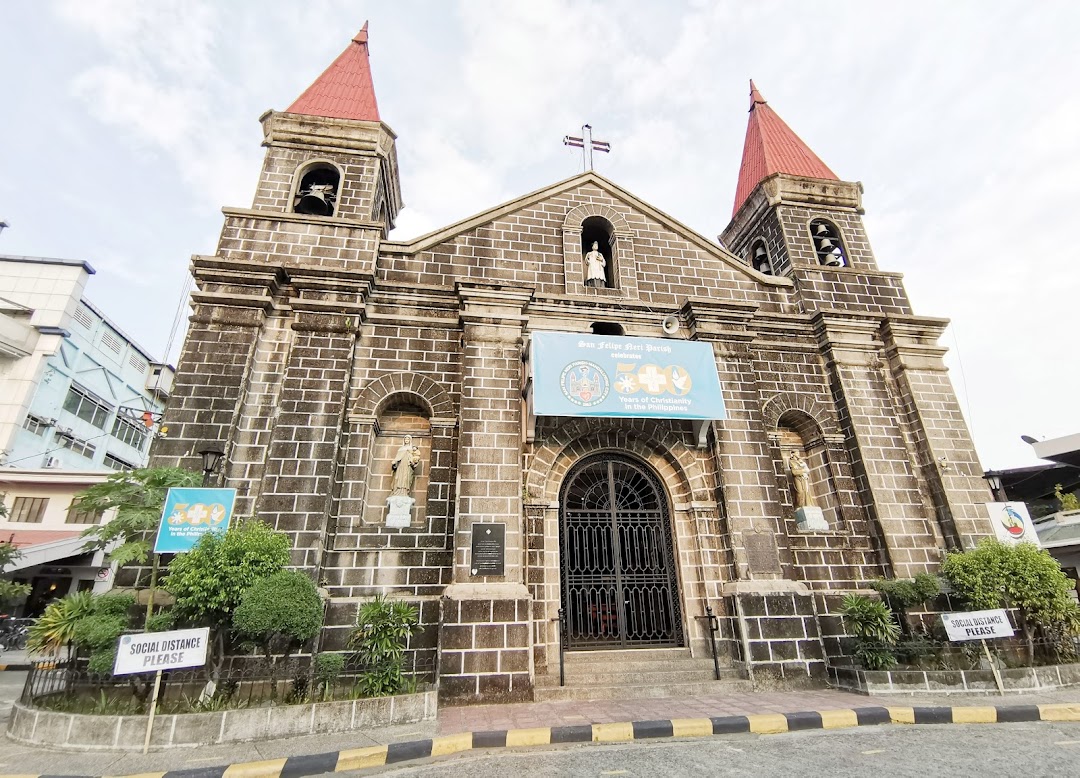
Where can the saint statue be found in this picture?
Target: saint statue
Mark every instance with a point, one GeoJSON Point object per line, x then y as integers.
{"type": "Point", "coordinates": [800, 477]}
{"type": "Point", "coordinates": [406, 463]}
{"type": "Point", "coordinates": [594, 267]}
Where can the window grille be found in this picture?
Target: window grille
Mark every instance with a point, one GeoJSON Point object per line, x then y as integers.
{"type": "Point", "coordinates": [112, 341]}
{"type": "Point", "coordinates": [69, 441]}
{"type": "Point", "coordinates": [35, 424]}
{"type": "Point", "coordinates": [76, 516]}
{"type": "Point", "coordinates": [129, 432]}
{"type": "Point", "coordinates": [86, 406]}
{"type": "Point", "coordinates": [29, 509]}
{"type": "Point", "coordinates": [83, 317]}
{"type": "Point", "coordinates": [116, 463]}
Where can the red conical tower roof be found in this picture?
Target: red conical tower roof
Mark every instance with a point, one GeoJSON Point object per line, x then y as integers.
{"type": "Point", "coordinates": [772, 147]}
{"type": "Point", "coordinates": [345, 89]}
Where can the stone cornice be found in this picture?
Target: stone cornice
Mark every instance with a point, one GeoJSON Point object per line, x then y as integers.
{"type": "Point", "coordinates": [300, 218]}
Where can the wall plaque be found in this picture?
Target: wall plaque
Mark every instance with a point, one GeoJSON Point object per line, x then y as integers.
{"type": "Point", "coordinates": [488, 549]}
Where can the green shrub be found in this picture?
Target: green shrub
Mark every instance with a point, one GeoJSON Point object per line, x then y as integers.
{"type": "Point", "coordinates": [383, 629]}
{"type": "Point", "coordinates": [875, 630]}
{"type": "Point", "coordinates": [328, 668]}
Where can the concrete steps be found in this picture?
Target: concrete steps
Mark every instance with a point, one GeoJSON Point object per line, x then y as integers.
{"type": "Point", "coordinates": [635, 674]}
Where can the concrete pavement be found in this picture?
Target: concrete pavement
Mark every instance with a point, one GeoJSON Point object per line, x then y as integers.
{"type": "Point", "coordinates": [498, 726]}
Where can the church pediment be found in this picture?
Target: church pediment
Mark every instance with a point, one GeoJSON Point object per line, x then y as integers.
{"type": "Point", "coordinates": [545, 240]}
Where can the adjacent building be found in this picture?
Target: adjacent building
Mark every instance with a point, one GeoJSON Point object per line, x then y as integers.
{"type": "Point", "coordinates": [78, 399]}
{"type": "Point", "coordinates": [511, 421]}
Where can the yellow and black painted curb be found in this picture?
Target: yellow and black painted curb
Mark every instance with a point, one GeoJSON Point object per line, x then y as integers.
{"type": "Point", "coordinates": [622, 732]}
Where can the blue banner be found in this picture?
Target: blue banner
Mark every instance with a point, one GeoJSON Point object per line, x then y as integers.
{"type": "Point", "coordinates": [641, 378]}
{"type": "Point", "coordinates": [191, 513]}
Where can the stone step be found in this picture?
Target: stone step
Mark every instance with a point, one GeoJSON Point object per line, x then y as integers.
{"type": "Point", "coordinates": [638, 691]}
{"type": "Point", "coordinates": [674, 675]}
{"type": "Point", "coordinates": [609, 656]}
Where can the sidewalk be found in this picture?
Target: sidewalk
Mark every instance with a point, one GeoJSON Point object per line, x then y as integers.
{"type": "Point", "coordinates": [16, 758]}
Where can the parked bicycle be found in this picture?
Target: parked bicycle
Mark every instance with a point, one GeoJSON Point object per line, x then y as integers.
{"type": "Point", "coordinates": [13, 633]}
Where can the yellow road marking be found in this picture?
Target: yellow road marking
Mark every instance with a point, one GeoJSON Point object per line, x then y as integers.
{"type": "Point", "coordinates": [902, 715]}
{"type": "Point", "coordinates": [535, 736]}
{"type": "Point", "coordinates": [613, 733]}
{"type": "Point", "coordinates": [1060, 712]}
{"type": "Point", "coordinates": [451, 744]}
{"type": "Point", "coordinates": [974, 715]}
{"type": "Point", "coordinates": [836, 719]}
{"type": "Point", "coordinates": [691, 727]}
{"type": "Point", "coordinates": [874, 751]}
{"type": "Point", "coordinates": [768, 723]}
{"type": "Point", "coordinates": [269, 767]}
{"type": "Point", "coordinates": [359, 758]}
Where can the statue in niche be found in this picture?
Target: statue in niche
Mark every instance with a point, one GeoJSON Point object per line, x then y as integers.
{"type": "Point", "coordinates": [406, 462]}
{"type": "Point", "coordinates": [800, 477]}
{"type": "Point", "coordinates": [595, 264]}
{"type": "Point", "coordinates": [400, 503]}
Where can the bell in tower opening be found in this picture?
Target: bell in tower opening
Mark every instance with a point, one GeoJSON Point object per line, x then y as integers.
{"type": "Point", "coordinates": [317, 191]}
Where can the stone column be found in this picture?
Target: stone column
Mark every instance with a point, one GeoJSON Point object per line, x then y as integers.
{"type": "Point", "coordinates": [484, 638]}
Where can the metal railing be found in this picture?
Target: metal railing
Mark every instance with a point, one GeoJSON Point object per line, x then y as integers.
{"type": "Point", "coordinates": [714, 626]}
{"type": "Point", "coordinates": [244, 681]}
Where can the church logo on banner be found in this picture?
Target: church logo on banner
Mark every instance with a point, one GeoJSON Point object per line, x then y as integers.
{"type": "Point", "coordinates": [584, 383]}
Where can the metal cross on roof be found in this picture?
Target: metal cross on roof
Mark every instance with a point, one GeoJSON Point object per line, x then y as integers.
{"type": "Point", "coordinates": [587, 145]}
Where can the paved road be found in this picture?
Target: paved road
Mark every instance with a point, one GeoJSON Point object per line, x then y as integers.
{"type": "Point", "coordinates": [957, 751]}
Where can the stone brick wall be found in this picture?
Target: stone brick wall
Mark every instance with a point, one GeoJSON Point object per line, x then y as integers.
{"type": "Point", "coordinates": [780, 636]}
{"type": "Point", "coordinates": [484, 651]}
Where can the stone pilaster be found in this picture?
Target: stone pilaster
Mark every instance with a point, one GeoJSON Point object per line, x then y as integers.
{"type": "Point", "coordinates": [946, 456]}
{"type": "Point", "coordinates": [880, 449]}
{"type": "Point", "coordinates": [298, 488]}
{"type": "Point", "coordinates": [484, 639]}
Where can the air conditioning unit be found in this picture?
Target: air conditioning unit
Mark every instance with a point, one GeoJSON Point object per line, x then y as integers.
{"type": "Point", "coordinates": [53, 462]}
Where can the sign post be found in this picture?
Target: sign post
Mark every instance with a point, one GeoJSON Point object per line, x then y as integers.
{"type": "Point", "coordinates": [160, 651]}
{"type": "Point", "coordinates": [980, 625]}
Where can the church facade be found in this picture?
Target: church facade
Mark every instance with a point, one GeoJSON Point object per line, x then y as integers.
{"type": "Point", "coordinates": [383, 402]}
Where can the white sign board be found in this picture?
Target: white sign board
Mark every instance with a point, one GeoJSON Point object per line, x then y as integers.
{"type": "Point", "coordinates": [1012, 524]}
{"type": "Point", "coordinates": [977, 625]}
{"type": "Point", "coordinates": [153, 651]}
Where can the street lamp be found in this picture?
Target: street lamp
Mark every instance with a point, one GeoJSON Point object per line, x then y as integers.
{"type": "Point", "coordinates": [3, 224]}
{"type": "Point", "coordinates": [211, 454]}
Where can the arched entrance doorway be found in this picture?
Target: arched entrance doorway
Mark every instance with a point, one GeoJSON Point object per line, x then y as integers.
{"type": "Point", "coordinates": [618, 571]}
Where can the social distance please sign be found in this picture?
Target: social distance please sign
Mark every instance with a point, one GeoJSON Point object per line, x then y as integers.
{"type": "Point", "coordinates": [641, 378]}
{"type": "Point", "coordinates": [154, 651]}
{"type": "Point", "coordinates": [977, 625]}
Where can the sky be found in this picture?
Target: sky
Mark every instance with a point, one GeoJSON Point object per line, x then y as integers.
{"type": "Point", "coordinates": [126, 125]}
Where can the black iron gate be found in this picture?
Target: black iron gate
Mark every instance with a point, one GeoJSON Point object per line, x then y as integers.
{"type": "Point", "coordinates": [618, 571]}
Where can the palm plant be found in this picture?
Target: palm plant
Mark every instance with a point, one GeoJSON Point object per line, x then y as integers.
{"type": "Point", "coordinates": [56, 626]}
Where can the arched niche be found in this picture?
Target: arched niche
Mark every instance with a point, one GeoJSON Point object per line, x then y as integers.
{"type": "Point", "coordinates": [399, 417]}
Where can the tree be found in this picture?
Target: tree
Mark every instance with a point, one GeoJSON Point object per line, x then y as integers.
{"type": "Point", "coordinates": [11, 593]}
{"type": "Point", "coordinates": [209, 581]}
{"type": "Point", "coordinates": [279, 614]}
{"type": "Point", "coordinates": [139, 497]}
{"type": "Point", "coordinates": [1024, 577]}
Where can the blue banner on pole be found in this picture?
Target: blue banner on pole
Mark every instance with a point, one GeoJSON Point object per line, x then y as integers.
{"type": "Point", "coordinates": [643, 378]}
{"type": "Point", "coordinates": [189, 514]}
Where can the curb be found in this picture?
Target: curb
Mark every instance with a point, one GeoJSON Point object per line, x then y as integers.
{"type": "Point", "coordinates": [620, 732]}
{"type": "Point", "coordinates": [14, 667]}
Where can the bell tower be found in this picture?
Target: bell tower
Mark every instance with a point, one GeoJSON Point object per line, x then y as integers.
{"type": "Point", "coordinates": [791, 211]}
{"type": "Point", "coordinates": [329, 154]}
